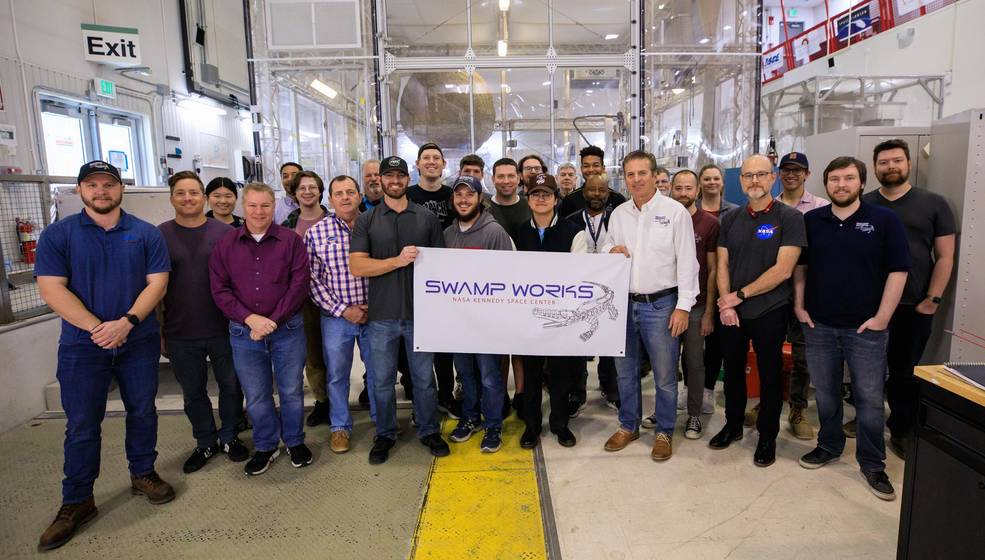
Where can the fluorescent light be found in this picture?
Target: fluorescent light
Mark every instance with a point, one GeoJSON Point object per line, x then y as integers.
{"type": "Point", "coordinates": [547, 83]}
{"type": "Point", "coordinates": [323, 88]}
{"type": "Point", "coordinates": [201, 107]}
{"type": "Point", "coordinates": [726, 28]}
{"type": "Point", "coordinates": [661, 6]}
{"type": "Point", "coordinates": [611, 36]}
{"type": "Point", "coordinates": [501, 47]}
{"type": "Point", "coordinates": [677, 91]}
{"type": "Point", "coordinates": [504, 5]}
{"type": "Point", "coordinates": [704, 41]}
{"type": "Point", "coordinates": [450, 86]}
{"type": "Point", "coordinates": [589, 91]}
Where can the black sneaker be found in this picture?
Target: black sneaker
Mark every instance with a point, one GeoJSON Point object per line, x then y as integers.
{"type": "Point", "coordinates": [464, 430]}
{"type": "Point", "coordinates": [491, 441]}
{"type": "Point", "coordinates": [530, 438]}
{"type": "Point", "coordinates": [260, 462]}
{"type": "Point", "coordinates": [381, 450]}
{"type": "Point", "coordinates": [693, 429]}
{"type": "Point", "coordinates": [319, 415]}
{"type": "Point", "coordinates": [236, 451]}
{"type": "Point", "coordinates": [879, 485]}
{"type": "Point", "coordinates": [575, 408]}
{"type": "Point", "coordinates": [300, 455]}
{"type": "Point", "coordinates": [817, 458]}
{"type": "Point", "coordinates": [451, 407]}
{"type": "Point", "coordinates": [199, 458]}
{"type": "Point", "coordinates": [650, 422]}
{"type": "Point", "coordinates": [437, 445]}
{"type": "Point", "coordinates": [565, 437]}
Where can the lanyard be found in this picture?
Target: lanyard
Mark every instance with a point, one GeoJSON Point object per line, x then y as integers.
{"type": "Point", "coordinates": [591, 227]}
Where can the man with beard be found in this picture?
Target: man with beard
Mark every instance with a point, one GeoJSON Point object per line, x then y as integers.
{"type": "Point", "coordinates": [655, 233]}
{"type": "Point", "coordinates": [383, 248]}
{"type": "Point", "coordinates": [372, 190]}
{"type": "Point", "coordinates": [594, 220]}
{"type": "Point", "coordinates": [288, 203]}
{"type": "Point", "coordinates": [567, 179]}
{"type": "Point", "coordinates": [592, 163]}
{"type": "Point", "coordinates": [758, 247]}
{"type": "Point", "coordinates": [863, 247]}
{"type": "Point", "coordinates": [104, 272]}
{"type": "Point", "coordinates": [530, 166]}
{"type": "Point", "coordinates": [711, 179]}
{"type": "Point", "coordinates": [701, 321]}
{"type": "Point", "coordinates": [429, 192]}
{"type": "Point", "coordinates": [474, 228]}
{"type": "Point", "coordinates": [930, 232]}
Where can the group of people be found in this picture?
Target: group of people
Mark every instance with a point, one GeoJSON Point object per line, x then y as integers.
{"type": "Point", "coordinates": [294, 285]}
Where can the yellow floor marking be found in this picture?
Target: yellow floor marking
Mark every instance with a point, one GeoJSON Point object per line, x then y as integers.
{"type": "Point", "coordinates": [482, 506]}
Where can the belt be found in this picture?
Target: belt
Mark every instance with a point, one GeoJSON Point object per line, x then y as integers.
{"type": "Point", "coordinates": [650, 298]}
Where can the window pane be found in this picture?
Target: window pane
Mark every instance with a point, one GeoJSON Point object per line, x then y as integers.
{"type": "Point", "coordinates": [311, 134]}
{"type": "Point", "coordinates": [116, 141]}
{"type": "Point", "coordinates": [63, 144]}
{"type": "Point", "coordinates": [601, 26]}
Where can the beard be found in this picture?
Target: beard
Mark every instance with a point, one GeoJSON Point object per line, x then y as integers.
{"type": "Point", "coordinates": [895, 182]}
{"type": "Point", "coordinates": [114, 204]}
{"type": "Point", "coordinates": [845, 203]}
{"type": "Point", "coordinates": [686, 201]}
{"type": "Point", "coordinates": [595, 205]}
{"type": "Point", "coordinates": [469, 216]}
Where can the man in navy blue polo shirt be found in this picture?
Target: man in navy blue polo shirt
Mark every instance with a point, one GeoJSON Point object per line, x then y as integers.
{"type": "Point", "coordinates": [846, 288]}
{"type": "Point", "coordinates": [104, 272]}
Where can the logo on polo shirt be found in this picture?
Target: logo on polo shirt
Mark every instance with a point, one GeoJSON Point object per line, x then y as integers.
{"type": "Point", "coordinates": [766, 231]}
{"type": "Point", "coordinates": [662, 220]}
{"type": "Point", "coordinates": [865, 227]}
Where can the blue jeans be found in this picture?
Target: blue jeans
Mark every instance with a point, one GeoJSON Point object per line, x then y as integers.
{"type": "Point", "coordinates": [480, 374]}
{"type": "Point", "coordinates": [828, 348]}
{"type": "Point", "coordinates": [338, 337]}
{"type": "Point", "coordinates": [648, 324]}
{"type": "Point", "coordinates": [259, 363]}
{"type": "Point", "coordinates": [384, 340]}
{"type": "Point", "coordinates": [84, 373]}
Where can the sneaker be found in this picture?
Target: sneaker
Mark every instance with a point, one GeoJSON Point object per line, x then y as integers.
{"type": "Point", "coordinates": [381, 450]}
{"type": "Point", "coordinates": [817, 458]}
{"type": "Point", "coordinates": [452, 408]}
{"type": "Point", "coordinates": [68, 520]}
{"type": "Point", "coordinates": [151, 485]}
{"type": "Point", "coordinates": [260, 462]}
{"type": "Point", "coordinates": [339, 442]}
{"type": "Point", "coordinates": [662, 447]}
{"type": "Point", "coordinates": [682, 399]}
{"type": "Point", "coordinates": [879, 485]}
{"type": "Point", "coordinates": [437, 445]}
{"type": "Point", "coordinates": [464, 430]}
{"type": "Point", "coordinates": [300, 455]}
{"type": "Point", "coordinates": [575, 408]}
{"type": "Point", "coordinates": [236, 451]}
{"type": "Point", "coordinates": [565, 437]}
{"type": "Point", "coordinates": [199, 458]}
{"type": "Point", "coordinates": [491, 441]}
{"type": "Point", "coordinates": [799, 425]}
{"type": "Point", "coordinates": [708, 402]}
{"type": "Point", "coordinates": [650, 421]}
{"type": "Point", "coordinates": [752, 415]}
{"type": "Point", "coordinates": [850, 429]}
{"type": "Point", "coordinates": [319, 414]}
{"type": "Point", "coordinates": [693, 429]}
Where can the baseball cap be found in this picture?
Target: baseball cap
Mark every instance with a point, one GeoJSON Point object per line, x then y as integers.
{"type": "Point", "coordinates": [393, 163]}
{"type": "Point", "coordinates": [542, 182]}
{"type": "Point", "coordinates": [795, 158]}
{"type": "Point", "coordinates": [99, 166]}
{"type": "Point", "coordinates": [429, 146]}
{"type": "Point", "coordinates": [472, 183]}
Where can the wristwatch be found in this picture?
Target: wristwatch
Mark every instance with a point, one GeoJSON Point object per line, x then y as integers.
{"type": "Point", "coordinates": [740, 295]}
{"type": "Point", "coordinates": [936, 299]}
{"type": "Point", "coordinates": [134, 320]}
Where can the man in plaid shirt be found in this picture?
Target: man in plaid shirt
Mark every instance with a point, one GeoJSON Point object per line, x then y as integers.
{"type": "Point", "coordinates": [341, 298]}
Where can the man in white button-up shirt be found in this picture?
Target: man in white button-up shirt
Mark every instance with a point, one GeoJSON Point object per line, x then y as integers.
{"type": "Point", "coordinates": [656, 233]}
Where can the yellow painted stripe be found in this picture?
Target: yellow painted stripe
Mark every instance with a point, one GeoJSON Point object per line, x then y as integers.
{"type": "Point", "coordinates": [482, 505]}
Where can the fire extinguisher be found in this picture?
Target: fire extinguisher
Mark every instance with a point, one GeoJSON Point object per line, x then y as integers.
{"type": "Point", "coordinates": [27, 239]}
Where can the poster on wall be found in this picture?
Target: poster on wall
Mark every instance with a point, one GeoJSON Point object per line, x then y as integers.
{"type": "Point", "coordinates": [861, 21]}
{"type": "Point", "coordinates": [214, 150]}
{"type": "Point", "coordinates": [809, 44]}
{"type": "Point", "coordinates": [904, 7]}
{"type": "Point", "coordinates": [772, 63]}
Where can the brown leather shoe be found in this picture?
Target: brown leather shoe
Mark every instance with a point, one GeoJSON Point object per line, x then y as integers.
{"type": "Point", "coordinates": [68, 520]}
{"type": "Point", "coordinates": [340, 441]}
{"type": "Point", "coordinates": [662, 448]}
{"type": "Point", "coordinates": [151, 485]}
{"type": "Point", "coordinates": [619, 440]}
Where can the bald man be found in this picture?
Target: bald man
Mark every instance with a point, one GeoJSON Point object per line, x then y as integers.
{"type": "Point", "coordinates": [758, 248]}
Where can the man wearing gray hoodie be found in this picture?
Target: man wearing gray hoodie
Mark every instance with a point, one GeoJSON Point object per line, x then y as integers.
{"type": "Point", "coordinates": [473, 228]}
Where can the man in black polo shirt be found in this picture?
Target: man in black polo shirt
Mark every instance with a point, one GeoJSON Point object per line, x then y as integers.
{"type": "Point", "coordinates": [847, 285]}
{"type": "Point", "coordinates": [383, 248]}
{"type": "Point", "coordinates": [758, 248]}
{"type": "Point", "coordinates": [592, 163]}
{"type": "Point", "coordinates": [930, 231]}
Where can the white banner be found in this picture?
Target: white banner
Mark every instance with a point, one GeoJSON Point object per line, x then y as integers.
{"type": "Point", "coordinates": [520, 302]}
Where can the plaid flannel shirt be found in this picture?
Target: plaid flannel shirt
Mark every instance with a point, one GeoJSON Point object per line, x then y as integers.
{"type": "Point", "coordinates": [333, 287]}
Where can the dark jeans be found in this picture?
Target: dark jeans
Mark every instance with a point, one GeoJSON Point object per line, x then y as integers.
{"type": "Point", "coordinates": [800, 379]}
{"type": "Point", "coordinates": [908, 335]}
{"type": "Point", "coordinates": [444, 374]}
{"type": "Point", "coordinates": [385, 337]}
{"type": "Point", "coordinates": [607, 381]}
{"type": "Point", "coordinates": [564, 370]}
{"type": "Point", "coordinates": [482, 385]}
{"type": "Point", "coordinates": [828, 348]}
{"type": "Point", "coordinates": [713, 353]}
{"type": "Point", "coordinates": [188, 360]}
{"type": "Point", "coordinates": [84, 373]}
{"type": "Point", "coordinates": [767, 333]}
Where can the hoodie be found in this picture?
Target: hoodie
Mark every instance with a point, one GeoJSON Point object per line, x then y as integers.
{"type": "Point", "coordinates": [485, 233]}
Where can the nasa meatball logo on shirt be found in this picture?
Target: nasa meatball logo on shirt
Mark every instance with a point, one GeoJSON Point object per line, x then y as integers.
{"type": "Point", "coordinates": [766, 231]}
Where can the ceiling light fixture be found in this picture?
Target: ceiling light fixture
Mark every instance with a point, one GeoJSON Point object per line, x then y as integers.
{"type": "Point", "coordinates": [727, 28]}
{"type": "Point", "coordinates": [547, 83]}
{"type": "Point", "coordinates": [504, 5]}
{"type": "Point", "coordinates": [323, 88]}
{"type": "Point", "coordinates": [611, 36]}
{"type": "Point", "coordinates": [704, 41]}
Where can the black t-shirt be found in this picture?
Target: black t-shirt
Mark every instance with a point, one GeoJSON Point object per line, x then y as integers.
{"type": "Point", "coordinates": [511, 217]}
{"type": "Point", "coordinates": [575, 201]}
{"type": "Point", "coordinates": [753, 243]}
{"type": "Point", "coordinates": [926, 216]}
{"type": "Point", "coordinates": [437, 202]}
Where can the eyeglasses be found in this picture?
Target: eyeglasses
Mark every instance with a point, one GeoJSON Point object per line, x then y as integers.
{"type": "Point", "coordinates": [537, 169]}
{"type": "Point", "coordinates": [307, 188]}
{"type": "Point", "coordinates": [541, 195]}
{"type": "Point", "coordinates": [760, 176]}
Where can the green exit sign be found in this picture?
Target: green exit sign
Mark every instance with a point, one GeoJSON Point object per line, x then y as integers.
{"type": "Point", "coordinates": [792, 12]}
{"type": "Point", "coordinates": [105, 88]}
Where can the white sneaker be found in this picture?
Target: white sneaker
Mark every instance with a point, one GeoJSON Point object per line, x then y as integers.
{"type": "Point", "coordinates": [708, 402]}
{"type": "Point", "coordinates": [681, 399]}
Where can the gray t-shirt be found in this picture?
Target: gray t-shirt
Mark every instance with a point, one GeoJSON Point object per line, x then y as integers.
{"type": "Point", "coordinates": [383, 233]}
{"type": "Point", "coordinates": [753, 243]}
{"type": "Point", "coordinates": [926, 216]}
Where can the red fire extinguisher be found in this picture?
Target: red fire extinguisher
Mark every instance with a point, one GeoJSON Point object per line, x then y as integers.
{"type": "Point", "coordinates": [26, 237]}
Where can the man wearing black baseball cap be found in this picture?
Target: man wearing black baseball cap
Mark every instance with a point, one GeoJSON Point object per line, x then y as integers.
{"type": "Point", "coordinates": [104, 272]}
